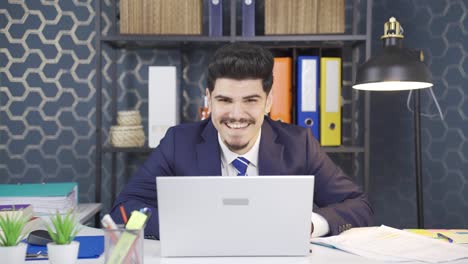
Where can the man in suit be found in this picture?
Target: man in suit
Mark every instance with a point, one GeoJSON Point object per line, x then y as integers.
{"type": "Point", "coordinates": [239, 81]}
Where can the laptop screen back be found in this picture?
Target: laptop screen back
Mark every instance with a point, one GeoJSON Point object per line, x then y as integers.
{"type": "Point", "coordinates": [235, 216]}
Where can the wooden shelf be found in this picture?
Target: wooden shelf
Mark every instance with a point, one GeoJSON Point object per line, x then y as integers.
{"type": "Point", "coordinates": [177, 41]}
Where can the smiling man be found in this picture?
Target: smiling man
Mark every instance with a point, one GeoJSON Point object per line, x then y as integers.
{"type": "Point", "coordinates": [240, 140]}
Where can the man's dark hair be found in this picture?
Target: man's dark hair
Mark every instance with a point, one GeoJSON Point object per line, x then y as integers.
{"type": "Point", "coordinates": [241, 61]}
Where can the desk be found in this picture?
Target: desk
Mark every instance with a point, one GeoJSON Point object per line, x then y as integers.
{"type": "Point", "coordinates": [86, 211]}
{"type": "Point", "coordinates": [319, 255]}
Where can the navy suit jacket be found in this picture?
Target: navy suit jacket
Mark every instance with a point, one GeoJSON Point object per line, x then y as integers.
{"type": "Point", "coordinates": [193, 150]}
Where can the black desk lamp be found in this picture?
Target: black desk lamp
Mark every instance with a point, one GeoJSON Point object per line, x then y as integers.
{"type": "Point", "coordinates": [394, 69]}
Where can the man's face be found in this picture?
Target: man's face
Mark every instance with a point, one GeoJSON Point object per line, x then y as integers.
{"type": "Point", "coordinates": [237, 111]}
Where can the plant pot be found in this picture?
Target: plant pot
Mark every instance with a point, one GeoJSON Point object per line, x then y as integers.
{"type": "Point", "coordinates": [13, 255]}
{"type": "Point", "coordinates": [63, 254]}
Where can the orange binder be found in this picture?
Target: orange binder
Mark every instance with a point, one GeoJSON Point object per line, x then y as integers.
{"type": "Point", "coordinates": [282, 90]}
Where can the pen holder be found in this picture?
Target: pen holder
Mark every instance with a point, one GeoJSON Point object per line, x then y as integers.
{"type": "Point", "coordinates": [123, 246]}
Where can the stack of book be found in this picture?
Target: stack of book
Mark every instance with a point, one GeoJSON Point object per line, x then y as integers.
{"type": "Point", "coordinates": [26, 210]}
{"type": "Point", "coordinates": [45, 198]}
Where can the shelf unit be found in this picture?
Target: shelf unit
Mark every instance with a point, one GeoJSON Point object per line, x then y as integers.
{"type": "Point", "coordinates": [117, 41]}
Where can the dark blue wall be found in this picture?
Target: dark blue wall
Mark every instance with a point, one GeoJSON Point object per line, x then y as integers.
{"type": "Point", "coordinates": [440, 29]}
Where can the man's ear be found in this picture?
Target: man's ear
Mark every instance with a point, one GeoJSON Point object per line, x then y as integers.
{"type": "Point", "coordinates": [208, 98]}
{"type": "Point", "coordinates": [269, 102]}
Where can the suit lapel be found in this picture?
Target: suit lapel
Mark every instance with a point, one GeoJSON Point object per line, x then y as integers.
{"type": "Point", "coordinates": [208, 153]}
{"type": "Point", "coordinates": [270, 154]}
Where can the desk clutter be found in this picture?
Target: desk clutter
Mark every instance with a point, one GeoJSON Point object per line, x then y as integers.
{"type": "Point", "coordinates": [128, 132]}
{"type": "Point", "coordinates": [124, 244]}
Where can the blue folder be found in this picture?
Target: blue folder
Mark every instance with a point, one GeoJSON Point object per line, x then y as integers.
{"type": "Point", "coordinates": [215, 18]}
{"type": "Point", "coordinates": [248, 18]}
{"type": "Point", "coordinates": [90, 247]}
{"type": "Point", "coordinates": [308, 93]}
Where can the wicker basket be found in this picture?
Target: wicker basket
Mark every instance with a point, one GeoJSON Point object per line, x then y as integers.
{"type": "Point", "coordinates": [129, 118]}
{"type": "Point", "coordinates": [127, 136]}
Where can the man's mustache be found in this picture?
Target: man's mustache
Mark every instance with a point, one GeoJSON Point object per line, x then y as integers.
{"type": "Point", "coordinates": [242, 120]}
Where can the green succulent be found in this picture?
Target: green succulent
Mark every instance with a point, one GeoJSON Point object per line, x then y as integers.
{"type": "Point", "coordinates": [11, 226]}
{"type": "Point", "coordinates": [63, 228]}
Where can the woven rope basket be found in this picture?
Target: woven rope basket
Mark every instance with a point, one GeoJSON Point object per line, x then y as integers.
{"type": "Point", "coordinates": [127, 136]}
{"type": "Point", "coordinates": [129, 118]}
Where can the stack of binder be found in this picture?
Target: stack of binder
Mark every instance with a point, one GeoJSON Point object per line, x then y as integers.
{"type": "Point", "coordinates": [45, 198]}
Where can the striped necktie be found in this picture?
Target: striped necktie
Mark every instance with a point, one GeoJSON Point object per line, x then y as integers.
{"type": "Point", "coordinates": [241, 165]}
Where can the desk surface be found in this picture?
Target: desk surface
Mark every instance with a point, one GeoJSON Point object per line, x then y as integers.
{"type": "Point", "coordinates": [86, 211]}
{"type": "Point", "coordinates": [319, 255]}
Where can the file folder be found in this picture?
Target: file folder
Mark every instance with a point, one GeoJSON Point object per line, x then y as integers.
{"type": "Point", "coordinates": [248, 18]}
{"type": "Point", "coordinates": [282, 89]}
{"type": "Point", "coordinates": [162, 102]}
{"type": "Point", "coordinates": [215, 18]}
{"type": "Point", "coordinates": [308, 93]}
{"type": "Point", "coordinates": [330, 101]}
{"type": "Point", "coordinates": [90, 247]}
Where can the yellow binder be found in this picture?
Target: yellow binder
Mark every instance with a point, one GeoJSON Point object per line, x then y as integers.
{"type": "Point", "coordinates": [330, 101]}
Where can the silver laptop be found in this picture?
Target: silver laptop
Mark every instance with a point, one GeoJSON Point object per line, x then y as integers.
{"type": "Point", "coordinates": [235, 216]}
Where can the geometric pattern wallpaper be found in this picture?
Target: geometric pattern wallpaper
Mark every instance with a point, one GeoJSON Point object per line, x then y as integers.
{"type": "Point", "coordinates": [440, 29]}
{"type": "Point", "coordinates": [48, 86]}
{"type": "Point", "coordinates": [47, 93]}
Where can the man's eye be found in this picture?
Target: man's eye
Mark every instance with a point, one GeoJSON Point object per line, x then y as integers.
{"type": "Point", "coordinates": [252, 100]}
{"type": "Point", "coordinates": [223, 100]}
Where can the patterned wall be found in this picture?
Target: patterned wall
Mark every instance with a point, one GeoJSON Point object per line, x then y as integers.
{"type": "Point", "coordinates": [440, 29]}
{"type": "Point", "coordinates": [47, 93]}
{"type": "Point", "coordinates": [47, 103]}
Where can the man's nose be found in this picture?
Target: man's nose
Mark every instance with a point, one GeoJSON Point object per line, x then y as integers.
{"type": "Point", "coordinates": [236, 110]}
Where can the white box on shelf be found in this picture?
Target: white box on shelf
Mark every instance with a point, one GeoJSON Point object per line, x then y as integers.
{"type": "Point", "coordinates": [162, 102]}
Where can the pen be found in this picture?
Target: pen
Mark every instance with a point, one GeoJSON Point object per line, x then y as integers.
{"type": "Point", "coordinates": [445, 237]}
{"type": "Point", "coordinates": [124, 214]}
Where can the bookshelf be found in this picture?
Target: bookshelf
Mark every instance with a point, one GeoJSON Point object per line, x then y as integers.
{"type": "Point", "coordinates": [356, 40]}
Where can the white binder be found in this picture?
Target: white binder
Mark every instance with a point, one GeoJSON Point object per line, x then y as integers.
{"type": "Point", "coordinates": [162, 102]}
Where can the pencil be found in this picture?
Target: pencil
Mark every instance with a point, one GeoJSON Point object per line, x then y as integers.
{"type": "Point", "coordinates": [124, 215]}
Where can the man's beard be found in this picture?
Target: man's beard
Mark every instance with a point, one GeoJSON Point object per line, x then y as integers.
{"type": "Point", "coordinates": [237, 147]}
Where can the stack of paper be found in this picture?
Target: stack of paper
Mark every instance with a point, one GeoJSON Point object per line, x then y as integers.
{"type": "Point", "coordinates": [45, 198]}
{"type": "Point", "coordinates": [390, 244]}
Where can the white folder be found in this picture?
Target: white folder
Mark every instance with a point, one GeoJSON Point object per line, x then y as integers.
{"type": "Point", "coordinates": [162, 102]}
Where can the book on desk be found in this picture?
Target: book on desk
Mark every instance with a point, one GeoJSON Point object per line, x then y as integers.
{"type": "Point", "coordinates": [46, 198]}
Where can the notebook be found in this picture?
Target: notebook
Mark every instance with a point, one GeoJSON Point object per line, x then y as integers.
{"type": "Point", "coordinates": [235, 216]}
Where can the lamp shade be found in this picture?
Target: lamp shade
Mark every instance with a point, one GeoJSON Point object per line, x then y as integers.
{"type": "Point", "coordinates": [395, 68]}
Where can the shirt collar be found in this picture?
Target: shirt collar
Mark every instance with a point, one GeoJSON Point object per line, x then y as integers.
{"type": "Point", "coordinates": [252, 155]}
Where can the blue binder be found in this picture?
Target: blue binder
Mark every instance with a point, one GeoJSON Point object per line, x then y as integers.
{"type": "Point", "coordinates": [215, 18]}
{"type": "Point", "coordinates": [308, 99]}
{"type": "Point", "coordinates": [248, 18]}
{"type": "Point", "coordinates": [90, 247]}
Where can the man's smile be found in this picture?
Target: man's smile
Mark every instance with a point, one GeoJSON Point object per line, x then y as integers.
{"type": "Point", "coordinates": [237, 125]}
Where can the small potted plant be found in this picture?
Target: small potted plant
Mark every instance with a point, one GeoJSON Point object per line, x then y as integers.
{"type": "Point", "coordinates": [12, 251]}
{"type": "Point", "coordinates": [63, 229]}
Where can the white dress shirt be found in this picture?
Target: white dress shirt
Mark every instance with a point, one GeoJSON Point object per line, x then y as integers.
{"type": "Point", "coordinates": [321, 226]}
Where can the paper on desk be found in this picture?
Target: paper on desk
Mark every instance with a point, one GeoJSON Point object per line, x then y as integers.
{"type": "Point", "coordinates": [458, 236]}
{"type": "Point", "coordinates": [386, 243]}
